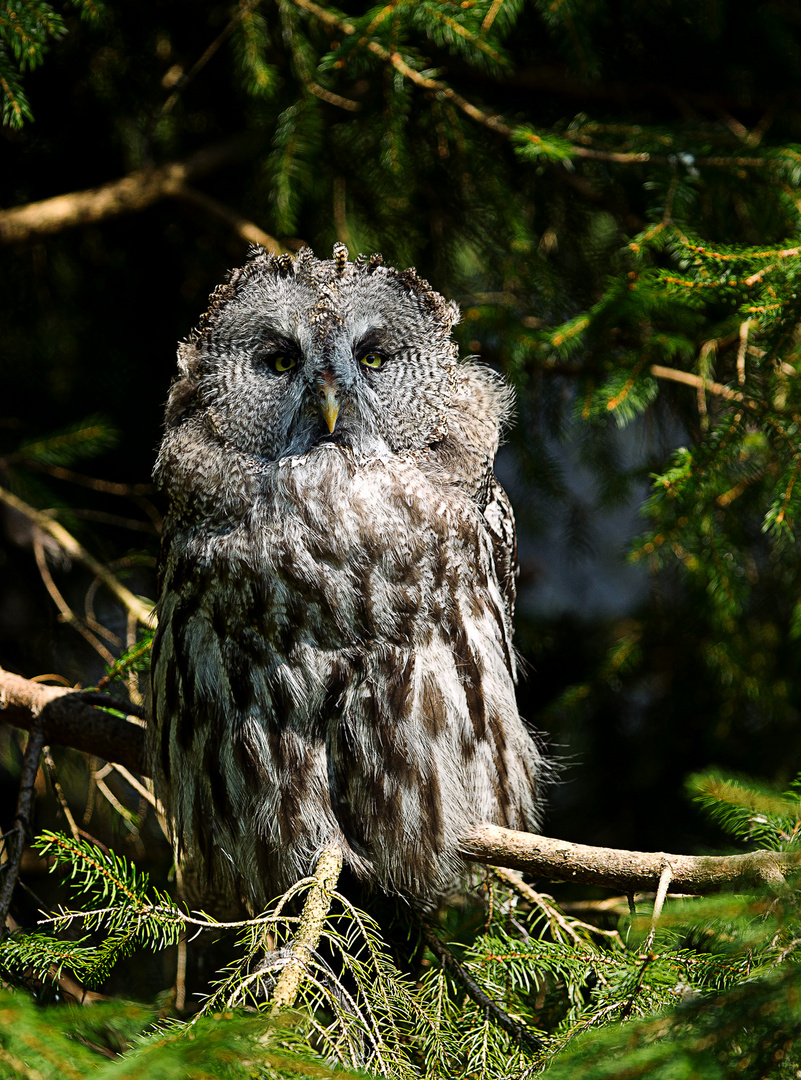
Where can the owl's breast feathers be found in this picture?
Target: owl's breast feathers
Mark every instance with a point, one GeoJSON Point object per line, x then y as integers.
{"type": "Point", "coordinates": [334, 661]}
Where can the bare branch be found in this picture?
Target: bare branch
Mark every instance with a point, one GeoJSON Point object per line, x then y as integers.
{"type": "Point", "coordinates": [20, 830]}
{"type": "Point", "coordinates": [312, 920]}
{"type": "Point", "coordinates": [625, 871]}
{"type": "Point", "coordinates": [70, 721]}
{"type": "Point", "coordinates": [675, 375]}
{"type": "Point", "coordinates": [246, 230]}
{"type": "Point", "coordinates": [129, 194]}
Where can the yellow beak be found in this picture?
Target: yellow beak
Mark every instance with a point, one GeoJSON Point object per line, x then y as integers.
{"type": "Point", "coordinates": [328, 396]}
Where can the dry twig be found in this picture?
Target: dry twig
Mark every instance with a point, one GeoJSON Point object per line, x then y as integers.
{"type": "Point", "coordinates": [67, 542]}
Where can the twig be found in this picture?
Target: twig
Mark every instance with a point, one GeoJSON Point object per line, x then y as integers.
{"type": "Point", "coordinates": [696, 381]}
{"type": "Point", "coordinates": [20, 830]}
{"type": "Point", "coordinates": [546, 904]}
{"type": "Point", "coordinates": [312, 920]}
{"type": "Point", "coordinates": [494, 123]}
{"type": "Point", "coordinates": [246, 230]}
{"type": "Point", "coordinates": [62, 799]}
{"type": "Point", "coordinates": [187, 76]}
{"type": "Point", "coordinates": [744, 328]}
{"type": "Point", "coordinates": [67, 614]}
{"type": "Point", "coordinates": [519, 1032]}
{"type": "Point", "coordinates": [138, 786]}
{"type": "Point", "coordinates": [665, 879]}
{"type": "Point", "coordinates": [142, 611]}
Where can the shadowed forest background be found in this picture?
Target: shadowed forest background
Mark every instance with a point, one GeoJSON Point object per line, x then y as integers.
{"type": "Point", "coordinates": [610, 191]}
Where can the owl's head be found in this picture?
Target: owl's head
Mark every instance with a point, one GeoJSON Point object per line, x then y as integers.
{"type": "Point", "coordinates": [294, 352]}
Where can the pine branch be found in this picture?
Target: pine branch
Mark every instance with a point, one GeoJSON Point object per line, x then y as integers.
{"type": "Point", "coordinates": [312, 920]}
{"type": "Point", "coordinates": [517, 1031]}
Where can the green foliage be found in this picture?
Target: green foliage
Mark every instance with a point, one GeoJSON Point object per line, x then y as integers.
{"type": "Point", "coordinates": [715, 978]}
{"type": "Point", "coordinates": [135, 660]}
{"type": "Point", "coordinates": [86, 439]}
{"type": "Point", "coordinates": [74, 1043]}
{"type": "Point", "coordinates": [27, 27]}
{"type": "Point", "coordinates": [749, 811]}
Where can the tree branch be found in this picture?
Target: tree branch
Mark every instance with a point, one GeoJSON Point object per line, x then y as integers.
{"type": "Point", "coordinates": [20, 831]}
{"type": "Point", "coordinates": [312, 920]}
{"type": "Point", "coordinates": [71, 721]}
{"type": "Point", "coordinates": [519, 1032]}
{"type": "Point", "coordinates": [129, 194]}
{"type": "Point", "coordinates": [625, 871]}
{"type": "Point", "coordinates": [688, 379]}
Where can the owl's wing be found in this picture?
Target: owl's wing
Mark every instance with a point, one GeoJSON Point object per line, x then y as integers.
{"type": "Point", "coordinates": [501, 522]}
{"type": "Point", "coordinates": [501, 525]}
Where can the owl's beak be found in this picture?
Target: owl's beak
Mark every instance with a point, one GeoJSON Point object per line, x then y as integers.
{"type": "Point", "coordinates": [328, 397]}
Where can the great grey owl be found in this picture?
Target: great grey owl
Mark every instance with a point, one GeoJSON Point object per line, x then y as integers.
{"type": "Point", "coordinates": [334, 653]}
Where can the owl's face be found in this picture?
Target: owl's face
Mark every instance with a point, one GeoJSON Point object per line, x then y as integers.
{"type": "Point", "coordinates": [295, 353]}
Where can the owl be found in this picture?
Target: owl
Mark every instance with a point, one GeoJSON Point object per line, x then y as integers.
{"type": "Point", "coordinates": [334, 657]}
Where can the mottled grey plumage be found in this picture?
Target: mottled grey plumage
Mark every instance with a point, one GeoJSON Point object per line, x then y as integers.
{"type": "Point", "coordinates": [334, 655]}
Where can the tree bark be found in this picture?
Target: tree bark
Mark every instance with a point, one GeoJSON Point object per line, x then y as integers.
{"type": "Point", "coordinates": [625, 871]}
{"type": "Point", "coordinates": [70, 721]}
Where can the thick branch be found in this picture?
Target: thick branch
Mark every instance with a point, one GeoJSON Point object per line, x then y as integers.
{"type": "Point", "coordinates": [131, 193]}
{"type": "Point", "coordinates": [625, 871]}
{"type": "Point", "coordinates": [70, 721]}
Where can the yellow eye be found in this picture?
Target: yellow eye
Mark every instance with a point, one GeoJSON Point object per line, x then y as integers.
{"type": "Point", "coordinates": [372, 360]}
{"type": "Point", "coordinates": [282, 362]}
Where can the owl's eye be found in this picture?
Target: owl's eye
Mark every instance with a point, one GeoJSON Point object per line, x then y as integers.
{"type": "Point", "coordinates": [373, 360]}
{"type": "Point", "coordinates": [277, 359]}
{"type": "Point", "coordinates": [282, 362]}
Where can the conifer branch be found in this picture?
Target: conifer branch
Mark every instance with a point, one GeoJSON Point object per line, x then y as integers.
{"type": "Point", "coordinates": [333, 21]}
{"type": "Point", "coordinates": [519, 1032]}
{"type": "Point", "coordinates": [312, 920]}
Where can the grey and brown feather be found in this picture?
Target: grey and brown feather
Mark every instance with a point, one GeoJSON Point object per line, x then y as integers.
{"type": "Point", "coordinates": [334, 656]}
